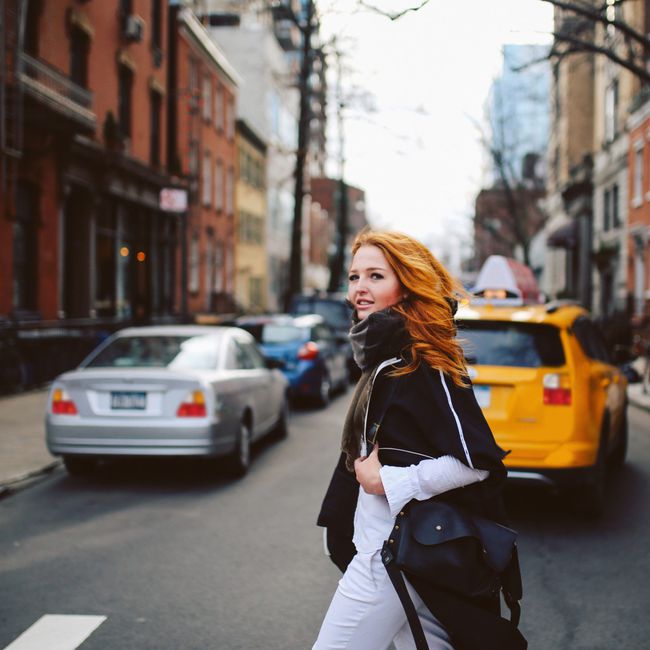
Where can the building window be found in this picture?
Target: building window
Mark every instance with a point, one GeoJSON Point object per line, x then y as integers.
{"type": "Point", "coordinates": [218, 267]}
{"type": "Point", "coordinates": [106, 257]}
{"type": "Point", "coordinates": [207, 98]}
{"type": "Point", "coordinates": [25, 249]}
{"type": "Point", "coordinates": [255, 293]}
{"type": "Point", "coordinates": [194, 84]}
{"type": "Point", "coordinates": [156, 24]}
{"type": "Point", "coordinates": [638, 176]}
{"type": "Point", "coordinates": [616, 217]}
{"type": "Point", "coordinates": [124, 100]}
{"type": "Point", "coordinates": [193, 284]}
{"type": "Point", "coordinates": [230, 191]}
{"type": "Point", "coordinates": [218, 109]}
{"type": "Point", "coordinates": [79, 49]}
{"type": "Point", "coordinates": [611, 111]}
{"type": "Point", "coordinates": [218, 186]}
{"type": "Point", "coordinates": [230, 120]}
{"type": "Point", "coordinates": [32, 26]}
{"type": "Point", "coordinates": [154, 139]}
{"type": "Point", "coordinates": [125, 10]}
{"type": "Point", "coordinates": [611, 215]}
{"type": "Point", "coordinates": [206, 193]}
{"type": "Point", "coordinates": [194, 158]}
{"type": "Point", "coordinates": [208, 271]}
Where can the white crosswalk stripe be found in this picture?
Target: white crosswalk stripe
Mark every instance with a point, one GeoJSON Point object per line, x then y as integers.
{"type": "Point", "coordinates": [57, 632]}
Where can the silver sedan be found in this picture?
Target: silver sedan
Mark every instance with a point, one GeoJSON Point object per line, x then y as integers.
{"type": "Point", "coordinates": [167, 391]}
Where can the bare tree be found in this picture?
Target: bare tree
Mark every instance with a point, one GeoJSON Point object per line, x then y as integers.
{"type": "Point", "coordinates": [391, 15]}
{"type": "Point", "coordinates": [584, 21]}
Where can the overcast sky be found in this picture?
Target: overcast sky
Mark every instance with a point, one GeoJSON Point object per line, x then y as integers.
{"type": "Point", "coordinates": [417, 154]}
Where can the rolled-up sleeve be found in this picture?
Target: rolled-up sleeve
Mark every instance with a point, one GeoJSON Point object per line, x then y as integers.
{"type": "Point", "coordinates": [426, 479]}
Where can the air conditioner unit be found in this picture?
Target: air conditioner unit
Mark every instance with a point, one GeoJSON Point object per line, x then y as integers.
{"type": "Point", "coordinates": [134, 28]}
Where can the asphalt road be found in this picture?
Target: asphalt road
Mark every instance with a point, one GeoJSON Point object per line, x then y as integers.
{"type": "Point", "coordinates": [178, 557]}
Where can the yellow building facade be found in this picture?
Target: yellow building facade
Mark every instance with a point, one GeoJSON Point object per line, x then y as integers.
{"type": "Point", "coordinates": [250, 222]}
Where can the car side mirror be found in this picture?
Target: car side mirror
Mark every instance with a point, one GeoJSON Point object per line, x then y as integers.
{"type": "Point", "coordinates": [274, 364]}
{"type": "Point", "coordinates": [631, 374]}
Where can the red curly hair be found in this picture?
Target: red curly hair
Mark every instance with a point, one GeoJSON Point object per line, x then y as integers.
{"type": "Point", "coordinates": [426, 310]}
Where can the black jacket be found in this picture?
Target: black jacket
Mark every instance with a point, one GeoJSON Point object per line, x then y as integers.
{"type": "Point", "coordinates": [426, 413]}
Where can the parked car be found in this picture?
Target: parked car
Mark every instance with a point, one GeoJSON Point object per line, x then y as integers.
{"type": "Point", "coordinates": [549, 391]}
{"type": "Point", "coordinates": [315, 362]}
{"type": "Point", "coordinates": [167, 391]}
{"type": "Point", "coordinates": [337, 314]}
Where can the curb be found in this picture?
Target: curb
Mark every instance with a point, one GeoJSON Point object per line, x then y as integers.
{"type": "Point", "coordinates": [638, 404]}
{"type": "Point", "coordinates": [15, 484]}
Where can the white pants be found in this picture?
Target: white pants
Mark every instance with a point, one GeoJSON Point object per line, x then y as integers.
{"type": "Point", "coordinates": [366, 613]}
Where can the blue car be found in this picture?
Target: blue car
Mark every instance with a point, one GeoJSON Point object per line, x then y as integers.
{"type": "Point", "coordinates": [314, 360]}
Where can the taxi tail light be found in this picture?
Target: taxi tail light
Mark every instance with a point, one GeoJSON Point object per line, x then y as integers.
{"type": "Point", "coordinates": [557, 390]}
{"type": "Point", "coordinates": [308, 351]}
{"type": "Point", "coordinates": [193, 406]}
{"type": "Point", "coordinates": [62, 404]}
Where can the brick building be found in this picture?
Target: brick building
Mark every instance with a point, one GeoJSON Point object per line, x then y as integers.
{"type": "Point", "coordinates": [202, 125]}
{"type": "Point", "coordinates": [506, 221]}
{"type": "Point", "coordinates": [638, 232]}
{"type": "Point", "coordinates": [84, 246]}
{"type": "Point", "coordinates": [325, 192]}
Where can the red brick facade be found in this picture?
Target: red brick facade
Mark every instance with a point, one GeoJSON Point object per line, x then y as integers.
{"type": "Point", "coordinates": [206, 147]}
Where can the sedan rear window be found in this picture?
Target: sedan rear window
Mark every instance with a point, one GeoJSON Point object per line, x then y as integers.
{"type": "Point", "coordinates": [336, 314]}
{"type": "Point", "coordinates": [284, 334]}
{"type": "Point", "coordinates": [178, 352]}
{"type": "Point", "coordinates": [498, 343]}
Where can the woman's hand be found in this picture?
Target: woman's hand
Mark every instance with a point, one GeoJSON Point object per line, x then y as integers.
{"type": "Point", "coordinates": [367, 469]}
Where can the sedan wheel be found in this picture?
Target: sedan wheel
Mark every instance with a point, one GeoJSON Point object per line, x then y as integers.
{"type": "Point", "coordinates": [241, 458]}
{"type": "Point", "coordinates": [324, 391]}
{"type": "Point", "coordinates": [79, 466]}
{"type": "Point", "coordinates": [281, 429]}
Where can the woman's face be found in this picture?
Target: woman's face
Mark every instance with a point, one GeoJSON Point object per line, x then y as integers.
{"type": "Point", "coordinates": [372, 283]}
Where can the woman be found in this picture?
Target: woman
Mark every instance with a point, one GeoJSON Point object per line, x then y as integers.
{"type": "Point", "coordinates": [432, 439]}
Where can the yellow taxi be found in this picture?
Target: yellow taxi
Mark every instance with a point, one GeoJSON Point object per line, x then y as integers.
{"type": "Point", "coordinates": [543, 377]}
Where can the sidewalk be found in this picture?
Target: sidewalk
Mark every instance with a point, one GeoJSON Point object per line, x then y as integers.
{"type": "Point", "coordinates": [22, 438]}
{"type": "Point", "coordinates": [635, 394]}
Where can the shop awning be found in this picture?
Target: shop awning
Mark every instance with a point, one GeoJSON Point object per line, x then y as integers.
{"type": "Point", "coordinates": [565, 236]}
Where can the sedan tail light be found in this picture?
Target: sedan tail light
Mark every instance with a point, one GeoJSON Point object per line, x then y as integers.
{"type": "Point", "coordinates": [557, 389]}
{"type": "Point", "coordinates": [308, 351]}
{"type": "Point", "coordinates": [62, 404]}
{"type": "Point", "coordinates": [193, 406]}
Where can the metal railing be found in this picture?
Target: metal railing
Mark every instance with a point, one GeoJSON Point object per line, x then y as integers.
{"type": "Point", "coordinates": [45, 83]}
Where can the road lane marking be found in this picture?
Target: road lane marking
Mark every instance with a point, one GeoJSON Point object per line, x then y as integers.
{"type": "Point", "coordinates": [57, 632]}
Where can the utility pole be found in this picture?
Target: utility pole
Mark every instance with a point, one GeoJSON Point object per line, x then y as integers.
{"type": "Point", "coordinates": [341, 235]}
{"type": "Point", "coordinates": [295, 261]}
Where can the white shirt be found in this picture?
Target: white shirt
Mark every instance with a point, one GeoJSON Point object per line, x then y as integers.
{"type": "Point", "coordinates": [375, 514]}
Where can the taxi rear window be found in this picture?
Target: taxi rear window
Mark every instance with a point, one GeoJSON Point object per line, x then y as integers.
{"type": "Point", "coordinates": [498, 343]}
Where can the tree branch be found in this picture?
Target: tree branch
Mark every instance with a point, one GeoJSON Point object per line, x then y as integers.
{"type": "Point", "coordinates": [392, 16]}
{"type": "Point", "coordinates": [600, 17]}
{"type": "Point", "coordinates": [588, 46]}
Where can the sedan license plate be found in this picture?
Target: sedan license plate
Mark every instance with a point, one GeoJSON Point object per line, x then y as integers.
{"type": "Point", "coordinates": [483, 396]}
{"type": "Point", "coordinates": [129, 400]}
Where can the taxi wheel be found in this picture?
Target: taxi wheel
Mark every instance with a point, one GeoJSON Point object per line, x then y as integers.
{"type": "Point", "coordinates": [589, 498]}
{"type": "Point", "coordinates": [619, 453]}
